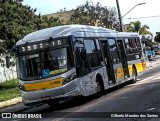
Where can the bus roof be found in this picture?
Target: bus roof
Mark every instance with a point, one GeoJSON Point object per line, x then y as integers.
{"type": "Point", "coordinates": [75, 30]}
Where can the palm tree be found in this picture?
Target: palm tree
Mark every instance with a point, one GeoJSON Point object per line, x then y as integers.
{"type": "Point", "coordinates": [137, 27]}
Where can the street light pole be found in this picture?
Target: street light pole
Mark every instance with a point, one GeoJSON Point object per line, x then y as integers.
{"type": "Point", "coordinates": [132, 9]}
{"type": "Point", "coordinates": [119, 13]}
{"type": "Point", "coordinates": [119, 16]}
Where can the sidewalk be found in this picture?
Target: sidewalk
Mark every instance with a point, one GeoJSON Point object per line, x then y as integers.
{"type": "Point", "coordinates": [149, 64]}
{"type": "Point", "coordinates": [152, 64]}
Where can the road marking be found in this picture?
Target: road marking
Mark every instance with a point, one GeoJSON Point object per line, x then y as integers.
{"type": "Point", "coordinates": [158, 77]}
{"type": "Point", "coordinates": [122, 98]}
{"type": "Point", "coordinates": [151, 109]}
{"type": "Point", "coordinates": [147, 80]}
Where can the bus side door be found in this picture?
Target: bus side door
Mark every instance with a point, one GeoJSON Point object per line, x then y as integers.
{"type": "Point", "coordinates": [108, 62]}
{"type": "Point", "coordinates": [123, 57]}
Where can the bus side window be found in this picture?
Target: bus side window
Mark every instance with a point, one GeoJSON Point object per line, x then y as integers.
{"type": "Point", "coordinates": [134, 44]}
{"type": "Point", "coordinates": [128, 46]}
{"type": "Point", "coordinates": [91, 52]}
{"type": "Point", "coordinates": [114, 50]}
{"type": "Point", "coordinates": [99, 51]}
{"type": "Point", "coordinates": [78, 57]}
{"type": "Point", "coordinates": [81, 61]}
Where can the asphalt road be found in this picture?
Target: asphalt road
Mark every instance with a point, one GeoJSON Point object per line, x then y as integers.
{"type": "Point", "coordinates": [142, 97]}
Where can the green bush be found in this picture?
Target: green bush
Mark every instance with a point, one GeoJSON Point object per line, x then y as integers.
{"type": "Point", "coordinates": [9, 90]}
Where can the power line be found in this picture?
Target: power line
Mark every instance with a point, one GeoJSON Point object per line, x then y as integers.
{"type": "Point", "coordinates": [143, 17]}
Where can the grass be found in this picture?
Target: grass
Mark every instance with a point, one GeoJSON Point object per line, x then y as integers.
{"type": "Point", "coordinates": [9, 90]}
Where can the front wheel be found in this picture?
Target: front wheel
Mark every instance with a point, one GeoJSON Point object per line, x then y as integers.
{"type": "Point", "coordinates": [99, 89]}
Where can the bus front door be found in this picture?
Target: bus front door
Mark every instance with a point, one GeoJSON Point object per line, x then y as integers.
{"type": "Point", "coordinates": [123, 57]}
{"type": "Point", "coordinates": [108, 62]}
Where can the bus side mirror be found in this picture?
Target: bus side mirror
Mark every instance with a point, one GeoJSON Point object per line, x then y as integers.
{"type": "Point", "coordinates": [7, 61]}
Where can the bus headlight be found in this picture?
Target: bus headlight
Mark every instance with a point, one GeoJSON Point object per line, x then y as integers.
{"type": "Point", "coordinates": [21, 87]}
{"type": "Point", "coordinates": [69, 78]}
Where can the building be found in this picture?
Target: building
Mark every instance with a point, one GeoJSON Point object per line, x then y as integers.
{"type": "Point", "coordinates": [125, 27]}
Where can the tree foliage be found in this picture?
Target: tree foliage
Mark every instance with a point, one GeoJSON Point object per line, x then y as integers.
{"type": "Point", "coordinates": [17, 20]}
{"type": "Point", "coordinates": [139, 28]}
{"type": "Point", "coordinates": [95, 15]}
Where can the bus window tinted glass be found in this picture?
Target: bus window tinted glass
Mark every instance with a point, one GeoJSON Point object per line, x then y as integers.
{"type": "Point", "coordinates": [114, 50]}
{"type": "Point", "coordinates": [127, 43]}
{"type": "Point", "coordinates": [91, 53]}
{"type": "Point", "coordinates": [99, 50]}
{"type": "Point", "coordinates": [112, 44]}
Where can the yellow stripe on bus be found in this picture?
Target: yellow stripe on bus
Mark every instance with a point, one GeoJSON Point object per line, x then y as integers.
{"type": "Point", "coordinates": [141, 67]}
{"type": "Point", "coordinates": [120, 73]}
{"type": "Point", "coordinates": [130, 69]}
{"type": "Point", "coordinates": [44, 85]}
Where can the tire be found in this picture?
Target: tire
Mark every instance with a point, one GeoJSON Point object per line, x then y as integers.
{"type": "Point", "coordinates": [53, 104]}
{"type": "Point", "coordinates": [134, 75]}
{"type": "Point", "coordinates": [99, 88]}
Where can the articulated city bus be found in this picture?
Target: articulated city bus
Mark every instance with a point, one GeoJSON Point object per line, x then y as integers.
{"type": "Point", "coordinates": [63, 62]}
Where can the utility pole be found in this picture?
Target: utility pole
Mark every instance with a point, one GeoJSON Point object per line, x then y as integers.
{"type": "Point", "coordinates": [119, 16]}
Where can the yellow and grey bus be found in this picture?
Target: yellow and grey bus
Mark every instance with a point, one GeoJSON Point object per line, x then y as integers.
{"type": "Point", "coordinates": [63, 62]}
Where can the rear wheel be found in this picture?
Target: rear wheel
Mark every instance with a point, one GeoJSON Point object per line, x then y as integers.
{"type": "Point", "coordinates": [134, 75]}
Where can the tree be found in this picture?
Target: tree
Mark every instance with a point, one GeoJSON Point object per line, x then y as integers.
{"type": "Point", "coordinates": [137, 27]}
{"type": "Point", "coordinates": [17, 20]}
{"type": "Point", "coordinates": [95, 15]}
{"type": "Point", "coordinates": [141, 30]}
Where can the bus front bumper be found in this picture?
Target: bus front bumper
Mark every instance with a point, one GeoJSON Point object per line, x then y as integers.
{"type": "Point", "coordinates": [44, 96]}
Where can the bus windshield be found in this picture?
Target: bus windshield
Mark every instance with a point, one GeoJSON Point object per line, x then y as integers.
{"type": "Point", "coordinates": [44, 64]}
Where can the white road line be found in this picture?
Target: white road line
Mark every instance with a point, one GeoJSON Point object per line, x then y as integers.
{"type": "Point", "coordinates": [158, 77]}
{"type": "Point", "coordinates": [151, 109]}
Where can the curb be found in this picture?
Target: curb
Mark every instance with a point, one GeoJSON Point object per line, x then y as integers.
{"type": "Point", "coordinates": [10, 102]}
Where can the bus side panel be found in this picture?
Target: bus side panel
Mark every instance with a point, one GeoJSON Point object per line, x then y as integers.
{"type": "Point", "coordinates": [89, 81]}
{"type": "Point", "coordinates": [140, 67]}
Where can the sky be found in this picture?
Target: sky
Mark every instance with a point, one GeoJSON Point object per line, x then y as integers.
{"type": "Point", "coordinates": [148, 10]}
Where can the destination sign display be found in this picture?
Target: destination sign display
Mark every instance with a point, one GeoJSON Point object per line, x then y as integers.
{"type": "Point", "coordinates": [42, 45]}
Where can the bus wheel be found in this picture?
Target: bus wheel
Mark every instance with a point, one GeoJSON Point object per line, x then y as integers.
{"type": "Point", "coordinates": [134, 75]}
{"type": "Point", "coordinates": [53, 104]}
{"type": "Point", "coordinates": [99, 88]}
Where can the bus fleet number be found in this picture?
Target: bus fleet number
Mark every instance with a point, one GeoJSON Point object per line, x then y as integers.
{"type": "Point", "coordinates": [55, 82]}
